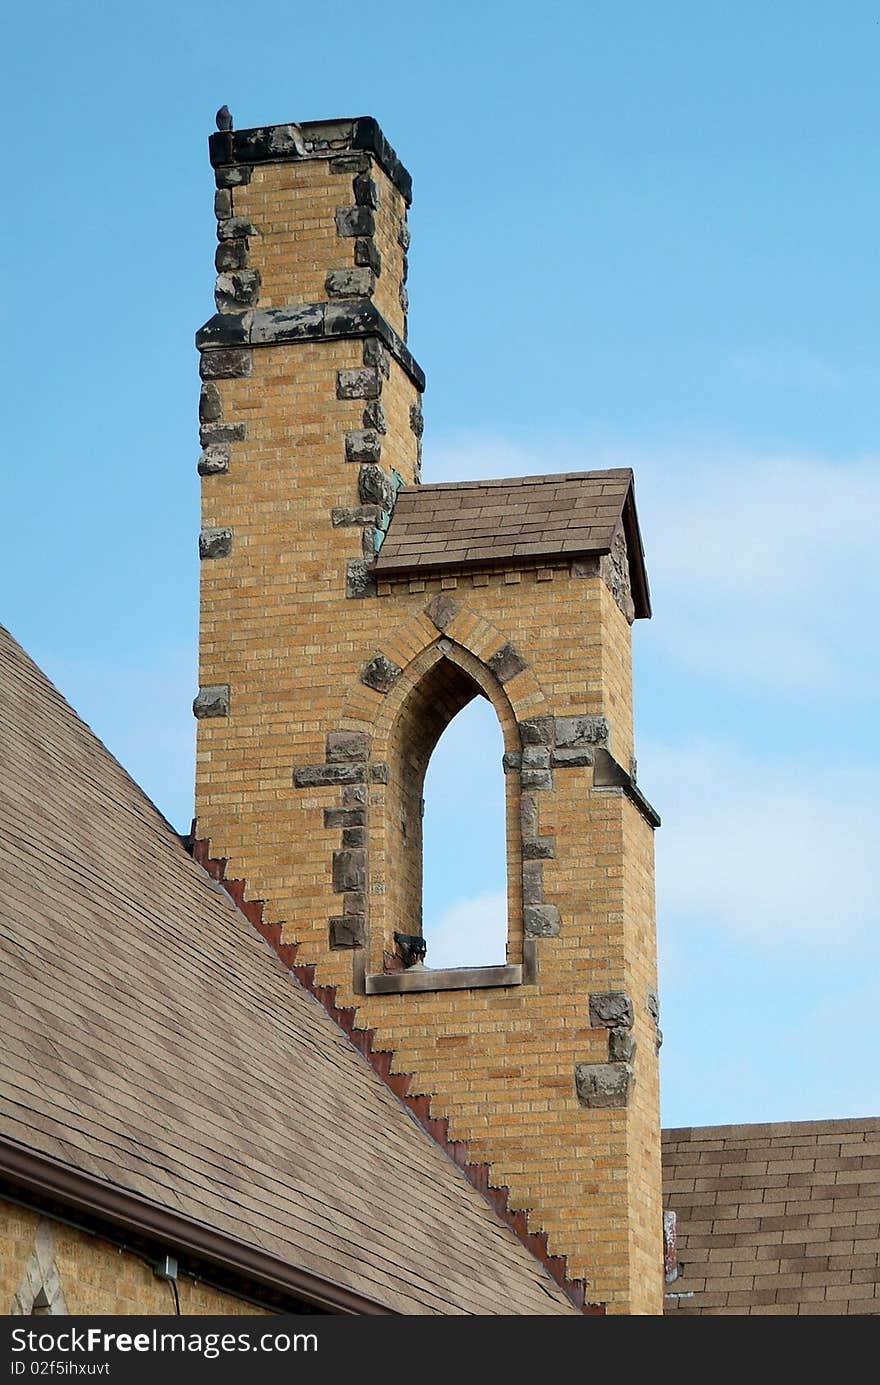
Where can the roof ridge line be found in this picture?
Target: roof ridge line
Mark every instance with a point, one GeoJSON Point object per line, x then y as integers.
{"type": "Point", "coordinates": [380, 1060]}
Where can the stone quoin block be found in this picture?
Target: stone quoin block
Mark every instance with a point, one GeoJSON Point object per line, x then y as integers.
{"type": "Point", "coordinates": [613, 1009]}
{"type": "Point", "coordinates": [235, 228]}
{"type": "Point", "coordinates": [363, 382]}
{"type": "Point", "coordinates": [226, 363]}
{"type": "Point", "coordinates": [374, 417]}
{"type": "Point", "coordinates": [359, 580]}
{"type": "Point", "coordinates": [358, 282]}
{"type": "Point", "coordinates": [213, 460]}
{"type": "Point", "coordinates": [366, 192]}
{"type": "Point", "coordinates": [347, 930]}
{"type": "Point", "coordinates": [367, 255]}
{"type": "Point", "coordinates": [215, 543]}
{"type": "Point", "coordinates": [602, 1085]}
{"type": "Point", "coordinates": [211, 433]}
{"type": "Point", "coordinates": [233, 176]}
{"type": "Point", "coordinates": [374, 487]}
{"type": "Point", "coordinates": [355, 221]}
{"type": "Point", "coordinates": [343, 747]}
{"type": "Point", "coordinates": [317, 776]}
{"type": "Point", "coordinates": [363, 445]}
{"type": "Point", "coordinates": [231, 255]}
{"type": "Point", "coordinates": [541, 921]}
{"type": "Point", "coordinates": [212, 701]}
{"type": "Point", "coordinates": [537, 731]}
{"type": "Point", "coordinates": [580, 731]}
{"type": "Point", "coordinates": [349, 870]}
{"type": "Point", "coordinates": [239, 289]}
{"type": "Point", "coordinates": [210, 403]}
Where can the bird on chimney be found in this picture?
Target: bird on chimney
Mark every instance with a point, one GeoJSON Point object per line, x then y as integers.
{"type": "Point", "coordinates": [224, 118]}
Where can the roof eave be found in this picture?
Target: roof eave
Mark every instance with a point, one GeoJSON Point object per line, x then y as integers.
{"type": "Point", "coordinates": [119, 1208]}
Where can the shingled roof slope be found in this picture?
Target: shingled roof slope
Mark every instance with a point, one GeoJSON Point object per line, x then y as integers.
{"type": "Point", "coordinates": [779, 1219]}
{"type": "Point", "coordinates": [521, 518]}
{"type": "Point", "coordinates": [150, 1039]}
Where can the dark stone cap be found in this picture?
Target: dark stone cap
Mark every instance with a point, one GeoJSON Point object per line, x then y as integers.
{"type": "Point", "coordinates": [310, 139]}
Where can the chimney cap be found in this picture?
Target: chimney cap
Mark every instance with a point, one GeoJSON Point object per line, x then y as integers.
{"type": "Point", "coordinates": [309, 139]}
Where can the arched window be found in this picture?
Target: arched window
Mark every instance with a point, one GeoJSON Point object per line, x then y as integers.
{"type": "Point", "coordinates": [464, 848]}
{"type": "Point", "coordinates": [465, 900]}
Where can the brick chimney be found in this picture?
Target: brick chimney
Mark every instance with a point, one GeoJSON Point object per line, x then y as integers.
{"type": "Point", "coordinates": [347, 615]}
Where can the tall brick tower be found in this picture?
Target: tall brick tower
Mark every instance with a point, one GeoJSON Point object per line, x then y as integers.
{"type": "Point", "coordinates": [347, 614]}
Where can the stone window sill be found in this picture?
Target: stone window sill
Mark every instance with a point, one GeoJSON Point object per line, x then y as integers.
{"type": "Point", "coordinates": [445, 979]}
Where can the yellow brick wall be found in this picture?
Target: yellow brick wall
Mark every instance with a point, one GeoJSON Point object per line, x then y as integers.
{"type": "Point", "coordinates": [277, 627]}
{"type": "Point", "coordinates": [292, 207]}
{"type": "Point", "coordinates": [98, 1277]}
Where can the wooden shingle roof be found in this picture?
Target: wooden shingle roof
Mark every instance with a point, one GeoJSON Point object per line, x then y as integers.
{"type": "Point", "coordinates": [517, 519]}
{"type": "Point", "coordinates": [151, 1043]}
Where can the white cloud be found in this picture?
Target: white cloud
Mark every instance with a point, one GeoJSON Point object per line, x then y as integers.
{"type": "Point", "coordinates": [470, 933]}
{"type": "Point", "coordinates": [770, 852]}
{"type": "Point", "coordinates": [763, 567]}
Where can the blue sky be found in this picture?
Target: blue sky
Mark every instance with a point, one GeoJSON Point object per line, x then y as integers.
{"type": "Point", "coordinates": [642, 234]}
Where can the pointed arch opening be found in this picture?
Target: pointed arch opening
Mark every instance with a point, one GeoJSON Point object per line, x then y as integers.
{"type": "Point", "coordinates": [464, 843]}
{"type": "Point", "coordinates": [464, 898]}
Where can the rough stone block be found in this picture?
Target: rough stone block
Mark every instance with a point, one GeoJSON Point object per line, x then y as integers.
{"type": "Point", "coordinates": [537, 731]}
{"type": "Point", "coordinates": [223, 204]}
{"type": "Point", "coordinates": [506, 663]}
{"type": "Point", "coordinates": [215, 543]}
{"type": "Point", "coordinates": [403, 298]}
{"type": "Point", "coordinates": [235, 228]}
{"type": "Point", "coordinates": [347, 930]}
{"type": "Point", "coordinates": [359, 580]}
{"type": "Point", "coordinates": [536, 779]}
{"type": "Point", "coordinates": [317, 776]}
{"type": "Point", "coordinates": [376, 354]}
{"type": "Point", "coordinates": [379, 772]}
{"type": "Point", "coordinates": [363, 382]}
{"type": "Point", "coordinates": [380, 673]}
{"type": "Point", "coordinates": [416, 419]}
{"type": "Point", "coordinates": [342, 515]}
{"type": "Point", "coordinates": [212, 433]}
{"type": "Point", "coordinates": [233, 176]}
{"type": "Point", "coordinates": [363, 445]}
{"type": "Point", "coordinates": [226, 363]}
{"type": "Point", "coordinates": [213, 460]}
{"type": "Point", "coordinates": [346, 746]}
{"type": "Point", "coordinates": [528, 815]}
{"type": "Point", "coordinates": [571, 757]}
{"type": "Point", "coordinates": [350, 163]}
{"type": "Point", "coordinates": [231, 254]}
{"type": "Point", "coordinates": [613, 1009]}
{"type": "Point", "coordinates": [354, 836]}
{"type": "Point", "coordinates": [366, 192]}
{"type": "Point", "coordinates": [602, 1085]}
{"type": "Point", "coordinates": [541, 921]}
{"type": "Point", "coordinates": [212, 701]}
{"type": "Point", "coordinates": [539, 848]}
{"type": "Point", "coordinates": [374, 487]}
{"type": "Point", "coordinates": [354, 796]}
{"type": "Point", "coordinates": [355, 221]}
{"type": "Point", "coordinates": [581, 731]}
{"type": "Point", "coordinates": [210, 404]}
{"type": "Point", "coordinates": [304, 322]}
{"type": "Point", "coordinates": [403, 235]}
{"type": "Point", "coordinates": [238, 289]}
{"type": "Point", "coordinates": [357, 282]}
{"type": "Point", "coordinates": [536, 757]}
{"type": "Point", "coordinates": [533, 884]}
{"type": "Point", "coordinates": [621, 1045]}
{"type": "Point", "coordinates": [345, 817]}
{"type": "Point", "coordinates": [511, 762]}
{"type": "Point", "coordinates": [349, 870]}
{"type": "Point", "coordinates": [441, 610]}
{"type": "Point", "coordinates": [367, 254]}
{"type": "Point", "coordinates": [374, 417]}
